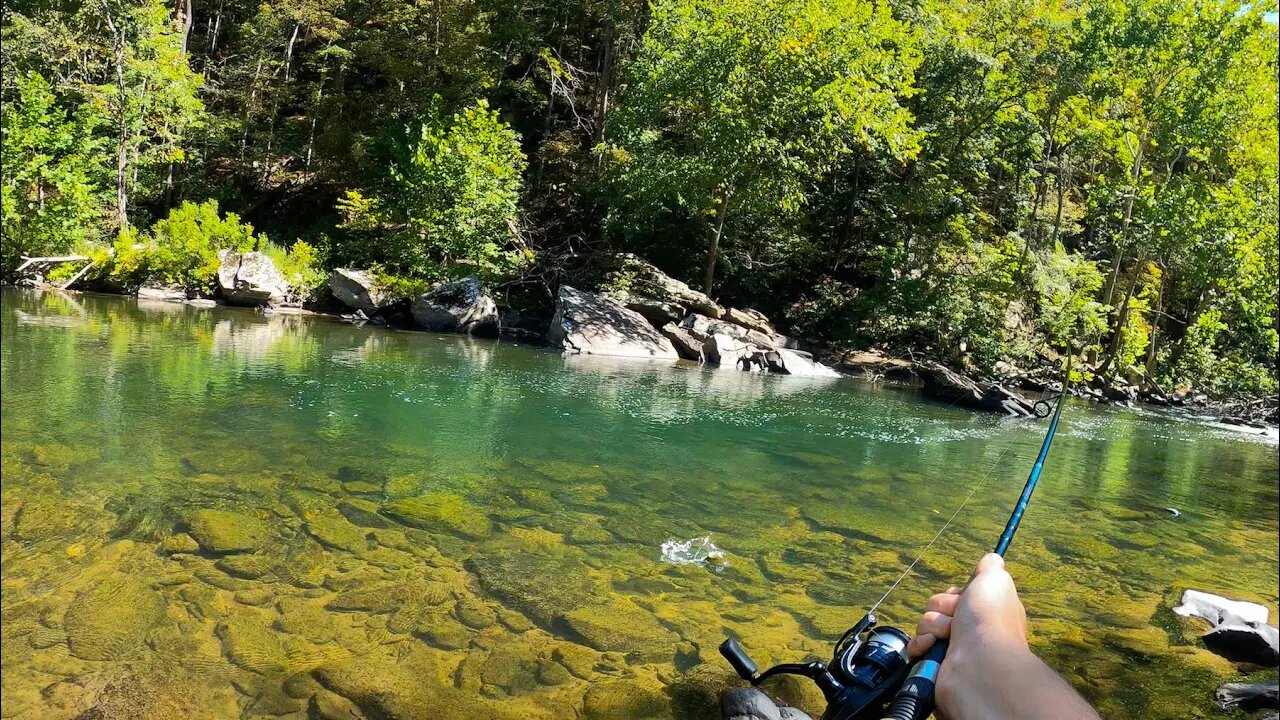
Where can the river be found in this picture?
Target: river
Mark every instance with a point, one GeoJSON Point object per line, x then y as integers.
{"type": "Point", "coordinates": [416, 525]}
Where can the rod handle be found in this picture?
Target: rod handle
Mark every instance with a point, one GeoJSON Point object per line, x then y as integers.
{"type": "Point", "coordinates": [914, 700]}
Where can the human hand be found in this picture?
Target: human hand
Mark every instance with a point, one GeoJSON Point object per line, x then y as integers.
{"type": "Point", "coordinates": [987, 629]}
{"type": "Point", "coordinates": [990, 672]}
{"type": "Point", "coordinates": [984, 615]}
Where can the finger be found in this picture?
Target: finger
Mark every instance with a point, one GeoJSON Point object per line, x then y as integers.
{"type": "Point", "coordinates": [935, 624]}
{"type": "Point", "coordinates": [920, 644]}
{"type": "Point", "coordinates": [955, 590]}
{"type": "Point", "coordinates": [990, 562]}
{"type": "Point", "coordinates": [944, 603]}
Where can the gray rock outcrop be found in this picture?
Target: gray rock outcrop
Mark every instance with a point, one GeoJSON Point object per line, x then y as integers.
{"type": "Point", "coordinates": [802, 365]}
{"type": "Point", "coordinates": [250, 279]}
{"type": "Point", "coordinates": [640, 278]}
{"type": "Point", "coordinates": [946, 385]}
{"type": "Point", "coordinates": [170, 293]}
{"type": "Point", "coordinates": [357, 289]}
{"type": "Point", "coordinates": [461, 306]}
{"type": "Point", "coordinates": [751, 319]}
{"type": "Point", "coordinates": [658, 312]}
{"type": "Point", "coordinates": [686, 345]}
{"type": "Point", "coordinates": [727, 351]}
{"type": "Point", "coordinates": [590, 324]}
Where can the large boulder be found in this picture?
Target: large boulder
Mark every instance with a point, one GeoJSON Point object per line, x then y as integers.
{"type": "Point", "coordinates": [802, 365]}
{"type": "Point", "coordinates": [640, 278]}
{"type": "Point", "coordinates": [686, 345]}
{"type": "Point", "coordinates": [250, 278]}
{"type": "Point", "coordinates": [702, 328]}
{"type": "Point", "coordinates": [461, 306]}
{"type": "Point", "coordinates": [751, 319]}
{"type": "Point", "coordinates": [589, 324]}
{"type": "Point", "coordinates": [357, 289]}
{"type": "Point", "coordinates": [729, 352]}
{"type": "Point", "coordinates": [658, 312]}
{"type": "Point", "coordinates": [949, 386]}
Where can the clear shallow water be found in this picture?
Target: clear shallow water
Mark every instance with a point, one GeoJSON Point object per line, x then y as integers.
{"type": "Point", "coordinates": [411, 525]}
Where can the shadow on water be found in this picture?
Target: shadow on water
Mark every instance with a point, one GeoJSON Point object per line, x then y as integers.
{"type": "Point", "coordinates": [211, 513]}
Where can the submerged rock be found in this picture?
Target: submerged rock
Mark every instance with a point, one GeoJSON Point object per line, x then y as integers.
{"type": "Point", "coordinates": [111, 620]}
{"type": "Point", "coordinates": [182, 543]}
{"type": "Point", "coordinates": [624, 700]}
{"type": "Point", "coordinates": [593, 325]}
{"type": "Point", "coordinates": [461, 306]}
{"type": "Point", "coordinates": [334, 530]}
{"type": "Point", "coordinates": [224, 531]}
{"type": "Point", "coordinates": [1247, 642]}
{"type": "Point", "coordinates": [441, 512]}
{"type": "Point", "coordinates": [622, 626]}
{"type": "Point", "coordinates": [1240, 631]}
{"type": "Point", "coordinates": [1248, 696]}
{"type": "Point", "coordinates": [250, 279]}
{"type": "Point", "coordinates": [543, 587]}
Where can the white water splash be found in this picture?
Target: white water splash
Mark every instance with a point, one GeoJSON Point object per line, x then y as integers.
{"type": "Point", "coordinates": [696, 551]}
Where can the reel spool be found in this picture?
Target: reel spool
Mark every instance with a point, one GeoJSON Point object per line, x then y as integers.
{"type": "Point", "coordinates": [867, 668]}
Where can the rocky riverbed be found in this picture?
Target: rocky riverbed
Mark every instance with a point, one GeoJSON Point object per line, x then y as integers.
{"type": "Point", "coordinates": [211, 513]}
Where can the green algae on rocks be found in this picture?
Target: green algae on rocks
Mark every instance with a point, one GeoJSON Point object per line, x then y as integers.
{"type": "Point", "coordinates": [223, 531]}
{"type": "Point", "coordinates": [296, 527]}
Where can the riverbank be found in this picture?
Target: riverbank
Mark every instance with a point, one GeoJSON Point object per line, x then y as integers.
{"type": "Point", "coordinates": [639, 311]}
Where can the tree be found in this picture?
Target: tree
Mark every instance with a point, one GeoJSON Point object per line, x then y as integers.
{"type": "Point", "coordinates": [51, 173]}
{"type": "Point", "coordinates": [150, 97]}
{"type": "Point", "coordinates": [450, 203]}
{"type": "Point", "coordinates": [737, 108]}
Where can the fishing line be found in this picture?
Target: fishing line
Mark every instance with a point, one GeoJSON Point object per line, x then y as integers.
{"type": "Point", "coordinates": [977, 486]}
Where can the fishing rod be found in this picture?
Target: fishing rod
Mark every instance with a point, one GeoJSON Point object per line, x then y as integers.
{"type": "Point", "coordinates": [870, 676]}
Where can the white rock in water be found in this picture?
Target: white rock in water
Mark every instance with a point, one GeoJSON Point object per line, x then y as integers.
{"type": "Point", "coordinates": [1218, 610]}
{"type": "Point", "coordinates": [691, 552]}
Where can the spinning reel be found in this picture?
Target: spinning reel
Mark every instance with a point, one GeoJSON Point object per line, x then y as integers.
{"type": "Point", "coordinates": [867, 669]}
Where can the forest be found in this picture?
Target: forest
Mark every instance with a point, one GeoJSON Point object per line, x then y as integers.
{"type": "Point", "coordinates": [979, 182]}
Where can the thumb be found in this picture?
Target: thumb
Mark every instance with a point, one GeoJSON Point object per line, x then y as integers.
{"type": "Point", "coordinates": [989, 563]}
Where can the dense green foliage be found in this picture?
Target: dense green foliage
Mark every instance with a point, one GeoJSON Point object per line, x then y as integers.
{"type": "Point", "coordinates": [979, 181]}
{"type": "Point", "coordinates": [451, 202]}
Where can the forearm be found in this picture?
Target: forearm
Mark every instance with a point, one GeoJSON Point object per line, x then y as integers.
{"type": "Point", "coordinates": [1014, 685]}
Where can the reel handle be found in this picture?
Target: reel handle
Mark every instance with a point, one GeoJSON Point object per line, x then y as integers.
{"type": "Point", "coordinates": [737, 657]}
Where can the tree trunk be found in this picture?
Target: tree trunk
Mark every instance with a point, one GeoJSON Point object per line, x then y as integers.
{"type": "Point", "coordinates": [1135, 174]}
{"type": "Point", "coordinates": [213, 37]}
{"type": "Point", "coordinates": [1122, 318]}
{"type": "Point", "coordinates": [1155, 327]}
{"type": "Point", "coordinates": [1062, 178]}
{"type": "Point", "coordinates": [183, 11]}
{"type": "Point", "coordinates": [122, 129]}
{"type": "Point", "coordinates": [606, 78]}
{"type": "Point", "coordinates": [288, 52]}
{"type": "Point", "coordinates": [717, 232]}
